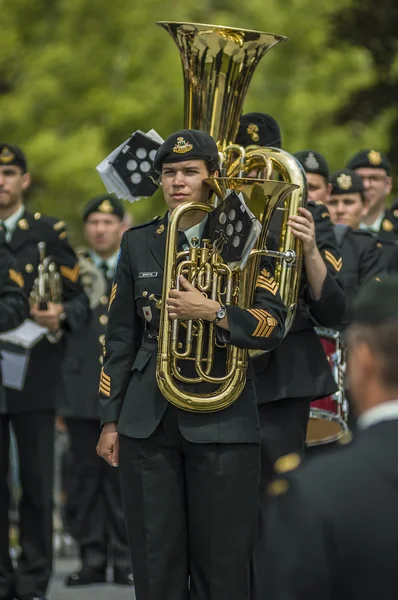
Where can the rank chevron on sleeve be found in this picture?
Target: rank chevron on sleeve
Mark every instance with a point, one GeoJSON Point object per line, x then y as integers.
{"type": "Point", "coordinates": [266, 322]}
{"type": "Point", "coordinates": [336, 263]}
{"type": "Point", "coordinates": [267, 282]}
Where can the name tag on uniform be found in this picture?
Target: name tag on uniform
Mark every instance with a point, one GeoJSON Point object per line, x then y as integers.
{"type": "Point", "coordinates": [146, 274]}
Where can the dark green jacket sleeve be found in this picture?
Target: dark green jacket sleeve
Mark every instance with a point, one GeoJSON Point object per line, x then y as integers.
{"type": "Point", "coordinates": [121, 338]}
{"type": "Point", "coordinates": [329, 309]}
{"type": "Point", "coordinates": [261, 326]}
{"type": "Point", "coordinates": [13, 302]}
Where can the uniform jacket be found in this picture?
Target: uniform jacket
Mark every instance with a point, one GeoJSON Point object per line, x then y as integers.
{"type": "Point", "coordinates": [363, 260]}
{"type": "Point", "coordinates": [83, 355]}
{"type": "Point", "coordinates": [43, 378]}
{"type": "Point", "coordinates": [13, 303]}
{"type": "Point", "coordinates": [332, 524]}
{"type": "Point", "coordinates": [128, 389]}
{"type": "Point", "coordinates": [299, 367]}
{"type": "Point", "coordinates": [389, 225]}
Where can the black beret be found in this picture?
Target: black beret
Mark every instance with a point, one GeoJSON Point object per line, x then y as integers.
{"type": "Point", "coordinates": [258, 129]}
{"type": "Point", "coordinates": [371, 159]}
{"type": "Point", "coordinates": [346, 181]}
{"type": "Point", "coordinates": [376, 302]}
{"type": "Point", "coordinates": [12, 155]}
{"type": "Point", "coordinates": [106, 204]}
{"type": "Point", "coordinates": [187, 144]}
{"type": "Point", "coordinates": [313, 162]}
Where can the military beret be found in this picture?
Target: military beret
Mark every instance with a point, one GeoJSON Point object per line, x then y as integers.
{"type": "Point", "coordinates": [371, 159]}
{"type": "Point", "coordinates": [376, 302]}
{"type": "Point", "coordinates": [346, 181]}
{"type": "Point", "coordinates": [187, 144]}
{"type": "Point", "coordinates": [259, 129]}
{"type": "Point", "coordinates": [106, 204]}
{"type": "Point", "coordinates": [313, 162]}
{"type": "Point", "coordinates": [12, 155]}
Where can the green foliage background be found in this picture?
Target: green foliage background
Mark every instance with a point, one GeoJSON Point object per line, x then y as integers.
{"type": "Point", "coordinates": [78, 76]}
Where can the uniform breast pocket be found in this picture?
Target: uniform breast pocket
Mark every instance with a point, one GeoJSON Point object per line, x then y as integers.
{"type": "Point", "coordinates": [148, 292]}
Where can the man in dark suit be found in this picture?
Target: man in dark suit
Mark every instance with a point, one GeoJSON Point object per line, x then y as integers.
{"type": "Point", "coordinates": [31, 411]}
{"type": "Point", "coordinates": [375, 170]}
{"type": "Point", "coordinates": [94, 509]}
{"type": "Point", "coordinates": [189, 479]}
{"type": "Point", "coordinates": [332, 524]}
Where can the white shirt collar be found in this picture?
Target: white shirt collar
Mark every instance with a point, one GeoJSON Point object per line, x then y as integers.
{"type": "Point", "coordinates": [195, 232]}
{"type": "Point", "coordinates": [110, 261]}
{"type": "Point", "coordinates": [12, 221]}
{"type": "Point", "coordinates": [387, 411]}
{"type": "Point", "coordinates": [375, 226]}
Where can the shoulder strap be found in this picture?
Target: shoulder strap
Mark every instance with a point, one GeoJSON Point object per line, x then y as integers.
{"type": "Point", "coordinates": [340, 233]}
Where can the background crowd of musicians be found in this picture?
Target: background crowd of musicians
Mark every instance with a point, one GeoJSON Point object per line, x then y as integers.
{"type": "Point", "coordinates": [349, 240]}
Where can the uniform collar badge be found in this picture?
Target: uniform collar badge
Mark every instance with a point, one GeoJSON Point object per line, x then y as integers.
{"type": "Point", "coordinates": [182, 146]}
{"type": "Point", "coordinates": [6, 156]}
{"type": "Point", "coordinates": [160, 229]}
{"type": "Point", "coordinates": [387, 225]}
{"type": "Point", "coordinates": [344, 181]}
{"type": "Point", "coordinates": [23, 224]}
{"type": "Point", "coordinates": [374, 157]}
{"type": "Point", "coordinates": [106, 207]}
{"type": "Point", "coordinates": [253, 130]}
{"type": "Point", "coordinates": [311, 162]}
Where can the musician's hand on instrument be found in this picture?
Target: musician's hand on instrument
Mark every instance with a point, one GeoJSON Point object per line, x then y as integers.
{"type": "Point", "coordinates": [190, 303]}
{"type": "Point", "coordinates": [108, 444]}
{"type": "Point", "coordinates": [303, 227]}
{"type": "Point", "coordinates": [50, 318]}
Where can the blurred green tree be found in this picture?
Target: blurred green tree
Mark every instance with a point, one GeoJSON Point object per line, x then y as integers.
{"type": "Point", "coordinates": [77, 77]}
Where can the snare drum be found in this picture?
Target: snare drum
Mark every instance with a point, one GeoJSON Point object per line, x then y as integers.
{"type": "Point", "coordinates": [328, 416]}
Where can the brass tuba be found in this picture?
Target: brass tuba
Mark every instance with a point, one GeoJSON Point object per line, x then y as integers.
{"type": "Point", "coordinates": [218, 63]}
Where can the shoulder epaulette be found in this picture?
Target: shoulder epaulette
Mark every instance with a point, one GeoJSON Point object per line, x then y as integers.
{"type": "Point", "coordinates": [56, 225]}
{"type": "Point", "coordinates": [154, 220]}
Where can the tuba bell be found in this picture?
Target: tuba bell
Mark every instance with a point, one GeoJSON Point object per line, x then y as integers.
{"type": "Point", "coordinates": [218, 64]}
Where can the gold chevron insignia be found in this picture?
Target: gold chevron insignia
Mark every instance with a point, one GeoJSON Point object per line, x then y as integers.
{"type": "Point", "coordinates": [16, 277]}
{"type": "Point", "coordinates": [336, 263]}
{"type": "Point", "coordinates": [59, 225]}
{"type": "Point", "coordinates": [266, 322]}
{"type": "Point", "coordinates": [71, 274]}
{"type": "Point", "coordinates": [113, 295]}
{"type": "Point", "coordinates": [267, 282]}
{"type": "Point", "coordinates": [105, 384]}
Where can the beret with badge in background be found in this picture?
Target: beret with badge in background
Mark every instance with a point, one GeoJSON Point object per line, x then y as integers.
{"type": "Point", "coordinates": [258, 129]}
{"type": "Point", "coordinates": [106, 204]}
{"type": "Point", "coordinates": [187, 144]}
{"type": "Point", "coordinates": [313, 162]}
{"type": "Point", "coordinates": [346, 181]}
{"type": "Point", "coordinates": [371, 159]}
{"type": "Point", "coordinates": [12, 155]}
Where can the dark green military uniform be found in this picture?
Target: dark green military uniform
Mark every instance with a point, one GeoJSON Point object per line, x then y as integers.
{"type": "Point", "coordinates": [189, 480]}
{"type": "Point", "coordinates": [94, 511]}
{"type": "Point", "coordinates": [31, 412]}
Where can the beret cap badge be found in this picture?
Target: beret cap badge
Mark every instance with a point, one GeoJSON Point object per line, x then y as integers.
{"type": "Point", "coordinates": [311, 162]}
{"type": "Point", "coordinates": [6, 156]}
{"type": "Point", "coordinates": [374, 157]}
{"type": "Point", "coordinates": [106, 207]}
{"type": "Point", "coordinates": [344, 181]}
{"type": "Point", "coordinates": [182, 146]}
{"type": "Point", "coordinates": [253, 130]}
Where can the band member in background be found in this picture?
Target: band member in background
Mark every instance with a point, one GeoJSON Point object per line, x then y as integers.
{"type": "Point", "coordinates": [189, 479]}
{"type": "Point", "coordinates": [343, 505]}
{"type": "Point", "coordinates": [32, 410]}
{"type": "Point", "coordinates": [297, 371]}
{"type": "Point", "coordinates": [259, 127]}
{"type": "Point", "coordinates": [362, 253]}
{"type": "Point", "coordinates": [94, 508]}
{"type": "Point", "coordinates": [317, 172]}
{"type": "Point", "coordinates": [375, 170]}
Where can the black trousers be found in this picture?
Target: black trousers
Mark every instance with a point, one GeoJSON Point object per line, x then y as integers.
{"type": "Point", "coordinates": [283, 430]}
{"type": "Point", "coordinates": [94, 508]}
{"type": "Point", "coordinates": [191, 513]}
{"type": "Point", "coordinates": [35, 439]}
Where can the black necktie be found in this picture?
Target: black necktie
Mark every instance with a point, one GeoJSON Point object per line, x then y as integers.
{"type": "Point", "coordinates": [182, 240]}
{"type": "Point", "coordinates": [104, 268]}
{"type": "Point", "coordinates": [3, 233]}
